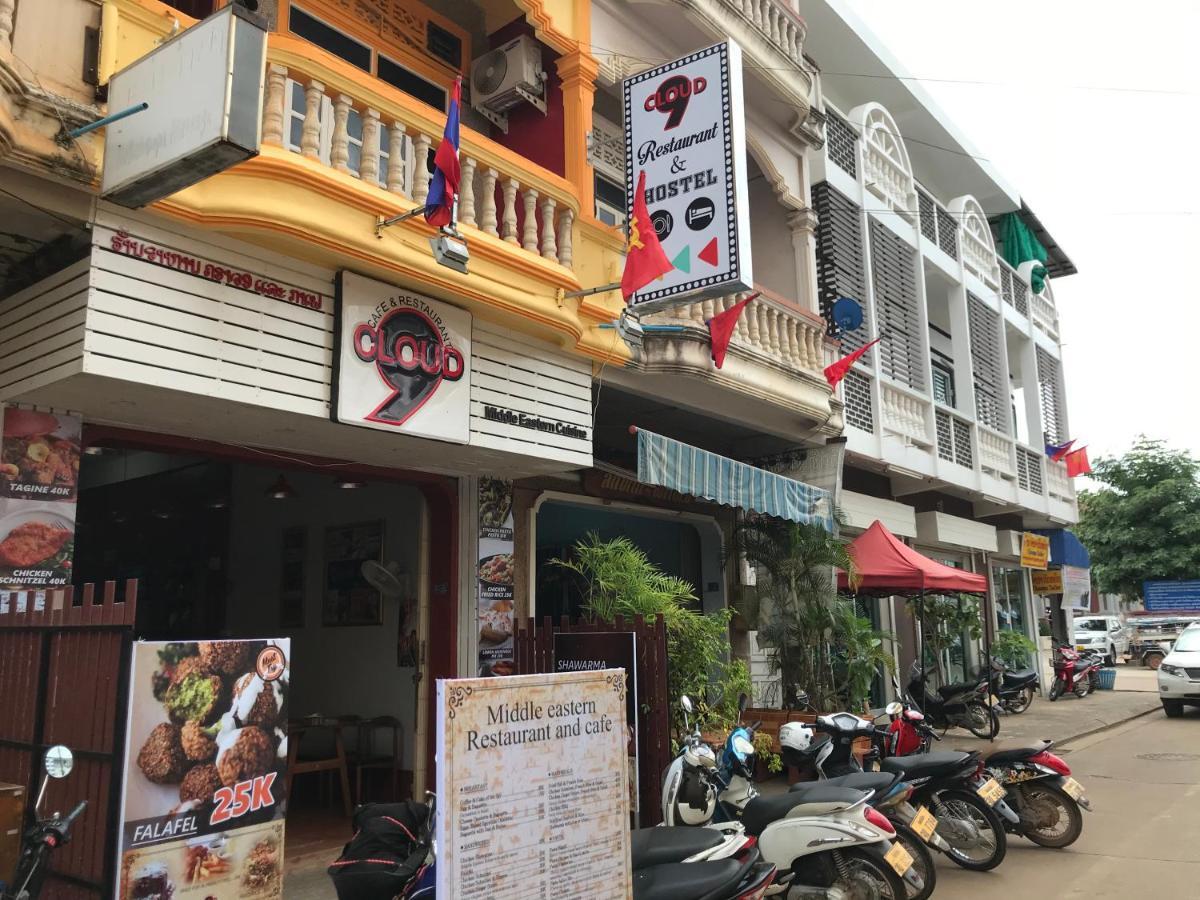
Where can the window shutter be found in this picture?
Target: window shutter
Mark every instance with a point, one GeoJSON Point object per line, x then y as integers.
{"type": "Point", "coordinates": [840, 259]}
{"type": "Point", "coordinates": [901, 351]}
{"type": "Point", "coordinates": [1050, 389]}
{"type": "Point", "coordinates": [841, 143]}
{"type": "Point", "coordinates": [991, 403]}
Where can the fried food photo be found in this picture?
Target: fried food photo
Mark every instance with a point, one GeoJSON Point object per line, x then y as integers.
{"type": "Point", "coordinates": [230, 658]}
{"type": "Point", "coordinates": [204, 862]}
{"type": "Point", "coordinates": [196, 697]}
{"type": "Point", "coordinates": [244, 753]}
{"type": "Point", "coordinates": [31, 543]}
{"type": "Point", "coordinates": [161, 758]}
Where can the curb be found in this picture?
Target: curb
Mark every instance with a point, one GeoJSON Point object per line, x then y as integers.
{"type": "Point", "coordinates": [1090, 732]}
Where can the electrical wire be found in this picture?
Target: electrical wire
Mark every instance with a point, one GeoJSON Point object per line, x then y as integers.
{"type": "Point", "coordinates": [42, 209]}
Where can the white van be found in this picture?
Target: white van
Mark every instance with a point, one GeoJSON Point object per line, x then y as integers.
{"type": "Point", "coordinates": [1106, 635]}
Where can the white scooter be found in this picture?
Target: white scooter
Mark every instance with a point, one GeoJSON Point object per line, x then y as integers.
{"type": "Point", "coordinates": [826, 843]}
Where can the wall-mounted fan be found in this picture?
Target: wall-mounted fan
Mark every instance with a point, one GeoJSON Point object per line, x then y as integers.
{"type": "Point", "coordinates": [388, 578]}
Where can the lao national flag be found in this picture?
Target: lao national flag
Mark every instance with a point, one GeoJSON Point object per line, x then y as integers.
{"type": "Point", "coordinates": [443, 188]}
{"type": "Point", "coordinates": [1057, 451]}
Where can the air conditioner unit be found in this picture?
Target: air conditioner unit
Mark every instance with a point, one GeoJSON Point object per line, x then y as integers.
{"type": "Point", "coordinates": [506, 77]}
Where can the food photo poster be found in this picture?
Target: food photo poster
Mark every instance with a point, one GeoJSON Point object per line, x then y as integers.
{"type": "Point", "coordinates": [203, 804]}
{"type": "Point", "coordinates": [494, 576]}
{"type": "Point", "coordinates": [39, 480]}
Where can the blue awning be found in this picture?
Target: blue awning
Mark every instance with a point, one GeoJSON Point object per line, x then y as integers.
{"type": "Point", "coordinates": [1065, 549]}
{"type": "Point", "coordinates": [690, 470]}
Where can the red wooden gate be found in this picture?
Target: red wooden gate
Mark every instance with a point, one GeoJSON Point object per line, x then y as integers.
{"type": "Point", "coordinates": [64, 672]}
{"type": "Point", "coordinates": [534, 649]}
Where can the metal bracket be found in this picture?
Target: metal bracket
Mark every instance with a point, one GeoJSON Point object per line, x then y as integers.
{"type": "Point", "coordinates": [500, 120]}
{"type": "Point", "coordinates": [538, 102]}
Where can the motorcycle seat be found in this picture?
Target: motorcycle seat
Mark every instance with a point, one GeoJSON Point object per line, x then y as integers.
{"type": "Point", "coordinates": [656, 846]}
{"type": "Point", "coordinates": [879, 782]}
{"type": "Point", "coordinates": [686, 881]}
{"type": "Point", "coordinates": [925, 765]}
{"type": "Point", "coordinates": [1015, 751]}
{"type": "Point", "coordinates": [949, 690]}
{"type": "Point", "coordinates": [1020, 676]}
{"type": "Point", "coordinates": [813, 798]}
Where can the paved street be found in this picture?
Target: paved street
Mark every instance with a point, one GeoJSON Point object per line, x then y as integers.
{"type": "Point", "coordinates": [1143, 779]}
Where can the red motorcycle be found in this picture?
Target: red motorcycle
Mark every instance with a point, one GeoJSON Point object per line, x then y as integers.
{"type": "Point", "coordinates": [1074, 671]}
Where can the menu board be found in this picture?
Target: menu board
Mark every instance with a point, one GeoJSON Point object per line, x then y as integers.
{"type": "Point", "coordinates": [533, 788]}
{"type": "Point", "coordinates": [206, 752]}
{"type": "Point", "coordinates": [494, 575]}
{"type": "Point", "coordinates": [39, 478]}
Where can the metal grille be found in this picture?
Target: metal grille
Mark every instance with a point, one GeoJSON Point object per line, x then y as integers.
{"type": "Point", "coordinates": [840, 259]}
{"type": "Point", "coordinates": [858, 401]}
{"type": "Point", "coordinates": [962, 444]}
{"type": "Point", "coordinates": [1049, 390]}
{"type": "Point", "coordinates": [945, 436]}
{"type": "Point", "coordinates": [985, 365]}
{"type": "Point", "coordinates": [947, 228]}
{"type": "Point", "coordinates": [1020, 296]}
{"type": "Point", "coordinates": [841, 144]}
{"type": "Point", "coordinates": [928, 216]}
{"type": "Point", "coordinates": [893, 277]}
{"type": "Point", "coordinates": [1006, 283]}
{"type": "Point", "coordinates": [953, 439]}
{"type": "Point", "coordinates": [1029, 470]}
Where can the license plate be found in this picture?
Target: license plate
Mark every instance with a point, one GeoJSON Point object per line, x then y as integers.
{"type": "Point", "coordinates": [924, 823]}
{"type": "Point", "coordinates": [995, 700]}
{"type": "Point", "coordinates": [991, 791]}
{"type": "Point", "coordinates": [1073, 788]}
{"type": "Point", "coordinates": [899, 859]}
{"type": "Point", "coordinates": [1080, 647]}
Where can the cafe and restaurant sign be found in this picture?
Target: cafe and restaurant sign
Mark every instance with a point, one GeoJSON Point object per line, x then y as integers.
{"type": "Point", "coordinates": [532, 786]}
{"type": "Point", "coordinates": [685, 128]}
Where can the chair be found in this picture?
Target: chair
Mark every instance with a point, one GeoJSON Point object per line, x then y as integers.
{"type": "Point", "coordinates": [367, 759]}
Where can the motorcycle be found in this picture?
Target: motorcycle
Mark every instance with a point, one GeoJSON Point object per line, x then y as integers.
{"type": "Point", "coordinates": [44, 835]}
{"type": "Point", "coordinates": [962, 704]}
{"type": "Point", "coordinates": [1014, 690]}
{"type": "Point", "coordinates": [825, 841]}
{"type": "Point", "coordinates": [1039, 786]}
{"type": "Point", "coordinates": [1074, 671]}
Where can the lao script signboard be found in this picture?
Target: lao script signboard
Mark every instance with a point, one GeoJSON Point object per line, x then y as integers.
{"type": "Point", "coordinates": [684, 126]}
{"type": "Point", "coordinates": [533, 788]}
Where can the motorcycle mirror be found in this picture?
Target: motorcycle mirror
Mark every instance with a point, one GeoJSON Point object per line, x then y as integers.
{"type": "Point", "coordinates": [685, 703]}
{"type": "Point", "coordinates": [802, 699]}
{"type": "Point", "coordinates": [743, 702]}
{"type": "Point", "coordinates": [59, 761]}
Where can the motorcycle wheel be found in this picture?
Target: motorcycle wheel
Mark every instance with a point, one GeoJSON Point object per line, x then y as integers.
{"type": "Point", "coordinates": [1082, 688]}
{"type": "Point", "coordinates": [922, 861]}
{"type": "Point", "coordinates": [870, 878]}
{"type": "Point", "coordinates": [1056, 689]}
{"type": "Point", "coordinates": [1021, 702]}
{"type": "Point", "coordinates": [963, 804]}
{"type": "Point", "coordinates": [1049, 817]}
{"type": "Point", "coordinates": [982, 721]}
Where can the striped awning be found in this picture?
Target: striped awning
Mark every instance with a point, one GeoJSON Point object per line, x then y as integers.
{"type": "Point", "coordinates": [689, 470]}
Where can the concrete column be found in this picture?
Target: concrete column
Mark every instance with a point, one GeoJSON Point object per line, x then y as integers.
{"type": "Point", "coordinates": [578, 72]}
{"type": "Point", "coordinates": [803, 224]}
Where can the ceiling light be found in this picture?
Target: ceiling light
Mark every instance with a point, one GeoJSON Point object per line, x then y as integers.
{"type": "Point", "coordinates": [218, 503]}
{"type": "Point", "coordinates": [94, 450]}
{"type": "Point", "coordinates": [348, 484]}
{"type": "Point", "coordinates": [280, 490]}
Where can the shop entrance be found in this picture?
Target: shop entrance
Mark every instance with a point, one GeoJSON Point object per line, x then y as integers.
{"type": "Point", "coordinates": [342, 560]}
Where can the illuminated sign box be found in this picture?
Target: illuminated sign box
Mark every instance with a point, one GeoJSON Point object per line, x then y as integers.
{"type": "Point", "coordinates": [204, 88]}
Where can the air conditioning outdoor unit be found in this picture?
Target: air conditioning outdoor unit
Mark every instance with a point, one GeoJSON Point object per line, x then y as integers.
{"type": "Point", "coordinates": [506, 77]}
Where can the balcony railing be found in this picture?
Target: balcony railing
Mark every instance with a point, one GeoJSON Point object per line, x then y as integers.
{"type": "Point", "coordinates": [778, 24]}
{"type": "Point", "coordinates": [374, 133]}
{"type": "Point", "coordinates": [1013, 289]}
{"type": "Point", "coordinates": [937, 225]}
{"type": "Point", "coordinates": [996, 453]}
{"type": "Point", "coordinates": [904, 413]}
{"type": "Point", "coordinates": [1057, 483]}
{"type": "Point", "coordinates": [954, 438]}
{"type": "Point", "coordinates": [1045, 314]}
{"type": "Point", "coordinates": [768, 328]}
{"type": "Point", "coordinates": [1029, 470]}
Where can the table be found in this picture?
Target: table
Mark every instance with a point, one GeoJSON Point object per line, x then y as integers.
{"type": "Point", "coordinates": [297, 729]}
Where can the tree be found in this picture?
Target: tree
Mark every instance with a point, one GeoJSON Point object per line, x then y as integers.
{"type": "Point", "coordinates": [1145, 522]}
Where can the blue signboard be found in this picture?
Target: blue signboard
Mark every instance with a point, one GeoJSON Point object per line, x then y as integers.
{"type": "Point", "coordinates": [1161, 595]}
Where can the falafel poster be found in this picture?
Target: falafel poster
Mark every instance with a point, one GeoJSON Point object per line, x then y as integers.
{"type": "Point", "coordinates": [206, 753]}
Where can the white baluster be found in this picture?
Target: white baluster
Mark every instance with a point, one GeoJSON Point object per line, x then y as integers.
{"type": "Point", "coordinates": [795, 336]}
{"type": "Point", "coordinates": [753, 332]}
{"type": "Point", "coordinates": [6, 21]}
{"type": "Point", "coordinates": [466, 197]}
{"type": "Point", "coordinates": [529, 230]}
{"type": "Point", "coordinates": [488, 192]}
{"type": "Point", "coordinates": [510, 209]}
{"type": "Point", "coordinates": [773, 329]}
{"type": "Point", "coordinates": [340, 154]}
{"type": "Point", "coordinates": [310, 134]}
{"type": "Point", "coordinates": [396, 162]}
{"type": "Point", "coordinates": [421, 168]}
{"type": "Point", "coordinates": [272, 103]}
{"type": "Point", "coordinates": [549, 239]}
{"type": "Point", "coordinates": [369, 167]}
{"type": "Point", "coordinates": [566, 251]}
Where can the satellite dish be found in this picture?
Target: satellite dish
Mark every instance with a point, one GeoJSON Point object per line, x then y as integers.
{"type": "Point", "coordinates": [389, 579]}
{"type": "Point", "coordinates": [847, 314]}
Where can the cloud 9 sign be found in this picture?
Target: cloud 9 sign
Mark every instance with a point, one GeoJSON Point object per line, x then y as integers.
{"type": "Point", "coordinates": [685, 129]}
{"type": "Point", "coordinates": [402, 361]}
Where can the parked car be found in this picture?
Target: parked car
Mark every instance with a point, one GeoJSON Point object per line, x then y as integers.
{"type": "Point", "coordinates": [1105, 635]}
{"type": "Point", "coordinates": [1179, 674]}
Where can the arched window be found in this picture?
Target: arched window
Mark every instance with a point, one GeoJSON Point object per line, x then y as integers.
{"type": "Point", "coordinates": [887, 171]}
{"type": "Point", "coordinates": [979, 252]}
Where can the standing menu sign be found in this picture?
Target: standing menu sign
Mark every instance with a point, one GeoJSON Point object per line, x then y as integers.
{"type": "Point", "coordinates": [591, 651]}
{"type": "Point", "coordinates": [206, 755]}
{"type": "Point", "coordinates": [685, 128]}
{"type": "Point", "coordinates": [494, 576]}
{"type": "Point", "coordinates": [39, 479]}
{"type": "Point", "coordinates": [532, 787]}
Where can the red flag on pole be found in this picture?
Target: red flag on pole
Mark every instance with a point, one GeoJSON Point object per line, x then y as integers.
{"type": "Point", "coordinates": [1077, 463]}
{"type": "Point", "coordinates": [836, 371]}
{"type": "Point", "coordinates": [720, 329]}
{"type": "Point", "coordinates": [644, 256]}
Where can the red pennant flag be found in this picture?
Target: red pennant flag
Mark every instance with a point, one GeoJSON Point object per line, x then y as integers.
{"type": "Point", "coordinates": [720, 329]}
{"type": "Point", "coordinates": [644, 256]}
{"type": "Point", "coordinates": [836, 371]}
{"type": "Point", "coordinates": [1077, 463]}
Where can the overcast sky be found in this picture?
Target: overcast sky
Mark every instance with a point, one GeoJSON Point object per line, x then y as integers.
{"type": "Point", "coordinates": [1113, 174]}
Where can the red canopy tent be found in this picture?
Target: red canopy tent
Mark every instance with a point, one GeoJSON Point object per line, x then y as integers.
{"type": "Point", "coordinates": [887, 566]}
